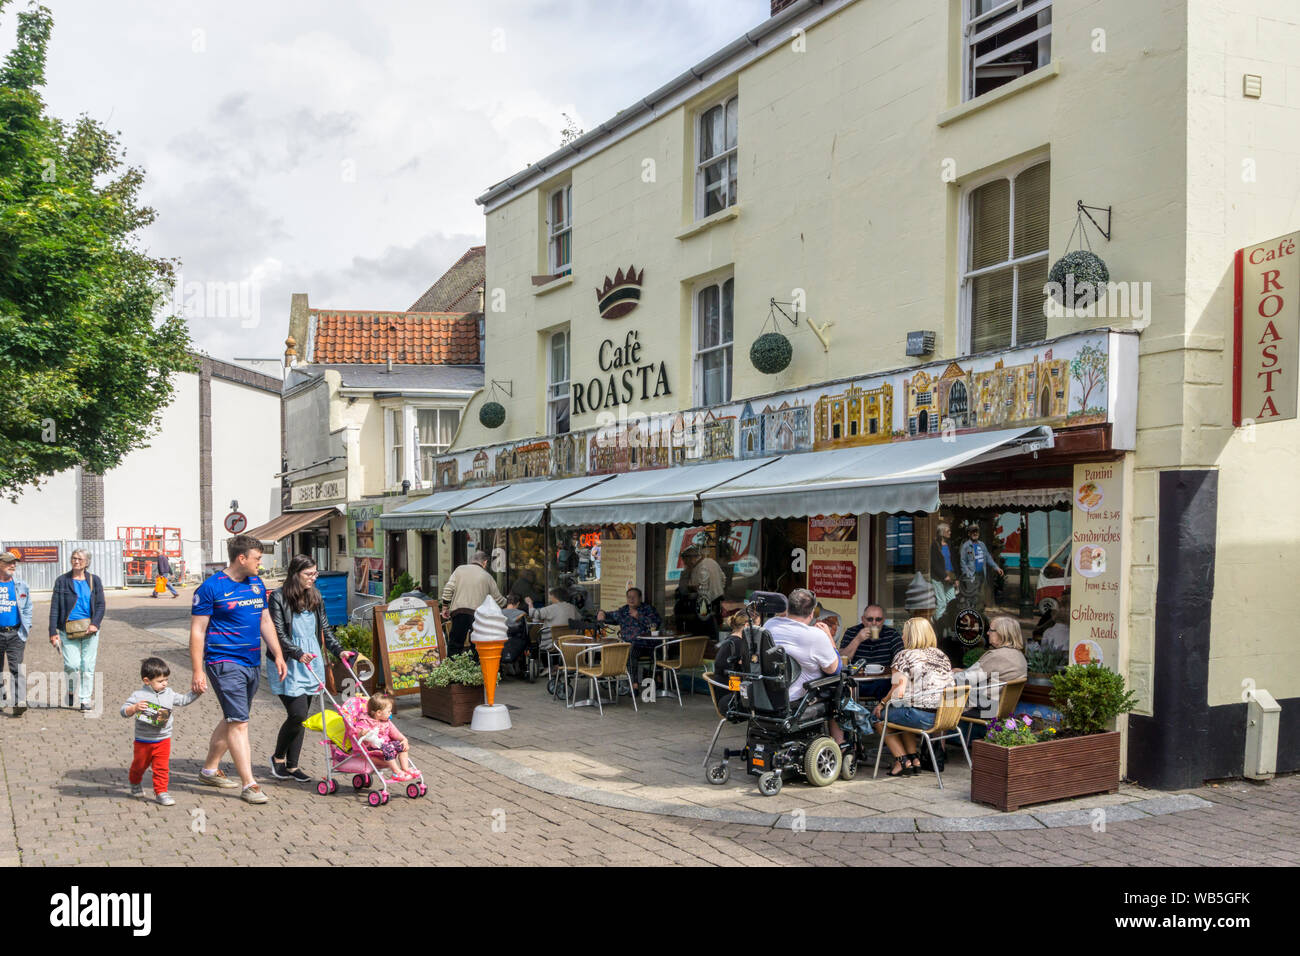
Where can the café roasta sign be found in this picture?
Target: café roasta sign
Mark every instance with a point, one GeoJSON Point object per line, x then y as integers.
{"type": "Point", "coordinates": [1266, 323]}
{"type": "Point", "coordinates": [625, 376]}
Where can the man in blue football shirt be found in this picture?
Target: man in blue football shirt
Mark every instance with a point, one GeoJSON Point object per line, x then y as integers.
{"type": "Point", "coordinates": [229, 620]}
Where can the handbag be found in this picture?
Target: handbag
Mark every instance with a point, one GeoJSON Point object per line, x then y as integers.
{"type": "Point", "coordinates": [76, 630]}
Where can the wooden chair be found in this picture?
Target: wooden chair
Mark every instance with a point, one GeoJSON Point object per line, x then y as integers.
{"type": "Point", "coordinates": [952, 702]}
{"type": "Point", "coordinates": [690, 655]}
{"type": "Point", "coordinates": [1008, 699]}
{"type": "Point", "coordinates": [612, 663]}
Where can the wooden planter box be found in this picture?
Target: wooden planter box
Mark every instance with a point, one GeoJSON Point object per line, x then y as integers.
{"type": "Point", "coordinates": [1011, 777]}
{"type": "Point", "coordinates": [453, 704]}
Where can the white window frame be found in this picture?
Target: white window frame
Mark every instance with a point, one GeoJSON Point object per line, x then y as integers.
{"type": "Point", "coordinates": [557, 230]}
{"type": "Point", "coordinates": [392, 435]}
{"type": "Point", "coordinates": [697, 363]}
{"type": "Point", "coordinates": [964, 253]}
{"type": "Point", "coordinates": [725, 156]}
{"type": "Point", "coordinates": [553, 401]}
{"type": "Point", "coordinates": [437, 449]}
{"type": "Point", "coordinates": [976, 29]}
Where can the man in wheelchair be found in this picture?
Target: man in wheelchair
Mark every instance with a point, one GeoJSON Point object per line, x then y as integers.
{"type": "Point", "coordinates": [790, 692]}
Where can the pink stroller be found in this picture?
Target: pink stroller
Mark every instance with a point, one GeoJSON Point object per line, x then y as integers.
{"type": "Point", "coordinates": [353, 757]}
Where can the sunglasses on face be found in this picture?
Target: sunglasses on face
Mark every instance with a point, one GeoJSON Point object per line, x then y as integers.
{"type": "Point", "coordinates": [875, 620]}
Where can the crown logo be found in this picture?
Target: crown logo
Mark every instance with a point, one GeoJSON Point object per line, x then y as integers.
{"type": "Point", "coordinates": [620, 294]}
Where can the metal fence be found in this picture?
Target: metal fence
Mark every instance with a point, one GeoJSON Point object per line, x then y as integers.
{"type": "Point", "coordinates": [105, 561]}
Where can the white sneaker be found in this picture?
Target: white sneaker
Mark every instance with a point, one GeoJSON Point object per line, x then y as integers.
{"type": "Point", "coordinates": [166, 799]}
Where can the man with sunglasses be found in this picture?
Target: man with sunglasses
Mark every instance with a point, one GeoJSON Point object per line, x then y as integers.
{"type": "Point", "coordinates": [863, 648]}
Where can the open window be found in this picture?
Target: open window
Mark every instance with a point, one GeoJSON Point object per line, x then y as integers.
{"type": "Point", "coordinates": [1003, 40]}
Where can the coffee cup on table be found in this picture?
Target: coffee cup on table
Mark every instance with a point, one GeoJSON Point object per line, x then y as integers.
{"type": "Point", "coordinates": [654, 633]}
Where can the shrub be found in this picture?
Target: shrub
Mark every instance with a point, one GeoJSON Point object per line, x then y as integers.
{"type": "Point", "coordinates": [461, 669]}
{"type": "Point", "coordinates": [356, 637]}
{"type": "Point", "coordinates": [403, 584]}
{"type": "Point", "coordinates": [1089, 697]}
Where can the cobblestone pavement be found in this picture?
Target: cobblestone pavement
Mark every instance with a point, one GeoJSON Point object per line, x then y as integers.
{"type": "Point", "coordinates": [65, 802]}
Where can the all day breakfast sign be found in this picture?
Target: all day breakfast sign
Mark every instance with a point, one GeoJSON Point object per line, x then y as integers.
{"type": "Point", "coordinates": [1266, 325]}
{"type": "Point", "coordinates": [1095, 555]}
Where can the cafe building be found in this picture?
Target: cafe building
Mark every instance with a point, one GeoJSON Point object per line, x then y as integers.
{"type": "Point", "coordinates": [859, 303]}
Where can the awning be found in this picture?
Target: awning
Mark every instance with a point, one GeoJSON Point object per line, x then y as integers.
{"type": "Point", "coordinates": [289, 522]}
{"type": "Point", "coordinates": [875, 479]}
{"type": "Point", "coordinates": [663, 496]}
{"type": "Point", "coordinates": [521, 505]}
{"type": "Point", "coordinates": [1022, 498]}
{"type": "Point", "coordinates": [430, 513]}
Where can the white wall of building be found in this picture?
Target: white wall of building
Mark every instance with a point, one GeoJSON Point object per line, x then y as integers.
{"type": "Point", "coordinates": [46, 512]}
{"type": "Point", "coordinates": [245, 456]}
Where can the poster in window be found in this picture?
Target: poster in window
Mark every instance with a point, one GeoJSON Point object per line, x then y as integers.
{"type": "Point", "coordinates": [833, 563]}
{"type": "Point", "coordinates": [617, 571]}
{"type": "Point", "coordinates": [1094, 588]}
{"type": "Point", "coordinates": [410, 642]}
{"type": "Point", "coordinates": [368, 576]}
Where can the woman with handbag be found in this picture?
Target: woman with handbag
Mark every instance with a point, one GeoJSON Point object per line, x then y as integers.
{"type": "Point", "coordinates": [298, 614]}
{"type": "Point", "coordinates": [76, 611]}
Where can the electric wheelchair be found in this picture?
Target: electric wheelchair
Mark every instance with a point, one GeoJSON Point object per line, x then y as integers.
{"type": "Point", "coordinates": [782, 737]}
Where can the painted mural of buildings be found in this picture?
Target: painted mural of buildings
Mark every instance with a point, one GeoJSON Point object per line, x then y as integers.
{"type": "Point", "coordinates": [1005, 394]}
{"type": "Point", "coordinates": [855, 416]}
{"type": "Point", "coordinates": [524, 461]}
{"type": "Point", "coordinates": [719, 438]}
{"type": "Point", "coordinates": [787, 428]}
{"type": "Point", "coordinates": [953, 392]}
{"type": "Point", "coordinates": [445, 473]}
{"type": "Point", "coordinates": [568, 454]}
{"type": "Point", "coordinates": [479, 470]}
{"type": "Point", "coordinates": [922, 404]}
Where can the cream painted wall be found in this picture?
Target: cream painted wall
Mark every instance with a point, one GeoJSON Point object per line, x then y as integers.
{"type": "Point", "coordinates": [1258, 539]}
{"type": "Point", "coordinates": [842, 195]}
{"type": "Point", "coordinates": [245, 456]}
{"type": "Point", "coordinates": [49, 511]}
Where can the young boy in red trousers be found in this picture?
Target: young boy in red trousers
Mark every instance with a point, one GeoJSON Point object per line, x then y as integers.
{"type": "Point", "coordinates": [152, 706]}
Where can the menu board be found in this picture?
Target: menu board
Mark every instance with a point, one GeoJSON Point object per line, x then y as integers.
{"type": "Point", "coordinates": [617, 571]}
{"type": "Point", "coordinates": [1098, 505]}
{"type": "Point", "coordinates": [833, 563]}
{"type": "Point", "coordinates": [410, 642]}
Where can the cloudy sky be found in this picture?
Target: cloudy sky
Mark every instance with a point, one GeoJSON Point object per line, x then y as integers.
{"type": "Point", "coordinates": [335, 147]}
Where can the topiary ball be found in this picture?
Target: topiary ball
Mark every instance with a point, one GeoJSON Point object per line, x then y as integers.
{"type": "Point", "coordinates": [771, 353]}
{"type": "Point", "coordinates": [1088, 272]}
{"type": "Point", "coordinates": [492, 415]}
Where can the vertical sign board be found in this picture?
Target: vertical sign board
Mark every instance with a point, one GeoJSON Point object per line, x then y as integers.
{"type": "Point", "coordinates": [410, 642]}
{"type": "Point", "coordinates": [617, 566]}
{"type": "Point", "coordinates": [1096, 559]}
{"type": "Point", "coordinates": [833, 564]}
{"type": "Point", "coordinates": [1266, 326]}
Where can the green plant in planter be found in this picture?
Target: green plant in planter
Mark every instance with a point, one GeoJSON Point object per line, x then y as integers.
{"type": "Point", "coordinates": [771, 353]}
{"type": "Point", "coordinates": [461, 669]}
{"type": "Point", "coordinates": [1044, 660]}
{"type": "Point", "coordinates": [403, 584]}
{"type": "Point", "coordinates": [355, 637]}
{"type": "Point", "coordinates": [1088, 272]}
{"type": "Point", "coordinates": [1089, 697]}
{"type": "Point", "coordinates": [1016, 731]}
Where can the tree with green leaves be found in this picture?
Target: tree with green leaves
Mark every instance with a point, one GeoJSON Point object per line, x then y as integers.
{"type": "Point", "coordinates": [84, 366]}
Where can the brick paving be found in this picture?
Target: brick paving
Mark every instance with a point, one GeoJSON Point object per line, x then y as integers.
{"type": "Point", "coordinates": [65, 802]}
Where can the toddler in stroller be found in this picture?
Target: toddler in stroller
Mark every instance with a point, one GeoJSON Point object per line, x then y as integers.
{"type": "Point", "coordinates": [360, 739]}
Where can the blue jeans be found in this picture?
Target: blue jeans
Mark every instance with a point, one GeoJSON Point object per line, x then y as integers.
{"type": "Point", "coordinates": [79, 664]}
{"type": "Point", "coordinates": [912, 717]}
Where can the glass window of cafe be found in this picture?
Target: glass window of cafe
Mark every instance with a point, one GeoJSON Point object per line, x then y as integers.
{"type": "Point", "coordinates": [751, 555]}
{"type": "Point", "coordinates": [932, 545]}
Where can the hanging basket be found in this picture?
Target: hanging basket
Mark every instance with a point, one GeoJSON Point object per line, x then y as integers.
{"type": "Point", "coordinates": [771, 353]}
{"type": "Point", "coordinates": [1081, 271]}
{"type": "Point", "coordinates": [492, 415]}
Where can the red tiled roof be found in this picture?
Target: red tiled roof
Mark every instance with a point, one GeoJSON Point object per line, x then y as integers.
{"type": "Point", "coordinates": [409, 338]}
{"type": "Point", "coordinates": [457, 289]}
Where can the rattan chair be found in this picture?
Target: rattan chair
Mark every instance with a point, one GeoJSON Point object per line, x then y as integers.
{"type": "Point", "coordinates": [690, 655]}
{"type": "Point", "coordinates": [952, 702]}
{"type": "Point", "coordinates": [612, 664]}
{"type": "Point", "coordinates": [1007, 701]}
{"type": "Point", "coordinates": [564, 656]}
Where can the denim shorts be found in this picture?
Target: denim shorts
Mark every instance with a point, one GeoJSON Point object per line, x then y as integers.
{"type": "Point", "coordinates": [234, 686]}
{"type": "Point", "coordinates": [912, 717]}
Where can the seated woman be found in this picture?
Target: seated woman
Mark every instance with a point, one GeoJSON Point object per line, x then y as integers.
{"type": "Point", "coordinates": [1004, 661]}
{"type": "Point", "coordinates": [921, 672]}
{"type": "Point", "coordinates": [730, 656]}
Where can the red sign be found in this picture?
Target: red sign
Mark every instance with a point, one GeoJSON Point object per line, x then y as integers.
{"type": "Point", "coordinates": [45, 554]}
{"type": "Point", "coordinates": [236, 522]}
{"type": "Point", "coordinates": [833, 579]}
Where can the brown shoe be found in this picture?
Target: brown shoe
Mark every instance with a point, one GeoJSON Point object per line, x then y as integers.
{"type": "Point", "coordinates": [218, 779]}
{"type": "Point", "coordinates": [253, 794]}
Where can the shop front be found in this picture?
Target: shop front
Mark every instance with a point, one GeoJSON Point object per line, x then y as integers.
{"type": "Point", "coordinates": [300, 532]}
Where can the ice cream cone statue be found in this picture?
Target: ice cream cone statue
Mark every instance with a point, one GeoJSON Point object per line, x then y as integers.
{"type": "Point", "coordinates": [489, 637]}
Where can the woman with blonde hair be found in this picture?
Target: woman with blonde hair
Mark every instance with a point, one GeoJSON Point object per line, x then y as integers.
{"type": "Point", "coordinates": [1004, 661]}
{"type": "Point", "coordinates": [920, 674]}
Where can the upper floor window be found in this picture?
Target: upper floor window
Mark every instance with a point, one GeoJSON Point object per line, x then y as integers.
{"type": "Point", "coordinates": [434, 430]}
{"type": "Point", "coordinates": [713, 334]}
{"type": "Point", "coordinates": [1005, 262]}
{"type": "Point", "coordinates": [716, 162]}
{"type": "Point", "coordinates": [559, 225]}
{"type": "Point", "coordinates": [557, 385]}
{"type": "Point", "coordinates": [396, 446]}
{"type": "Point", "coordinates": [1004, 40]}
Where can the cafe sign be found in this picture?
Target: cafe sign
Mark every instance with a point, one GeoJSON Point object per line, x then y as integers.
{"type": "Point", "coordinates": [310, 493]}
{"type": "Point", "coordinates": [624, 375]}
{"type": "Point", "coordinates": [1266, 323]}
